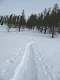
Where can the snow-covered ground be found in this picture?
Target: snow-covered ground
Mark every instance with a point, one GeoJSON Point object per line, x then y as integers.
{"type": "Point", "coordinates": [29, 55]}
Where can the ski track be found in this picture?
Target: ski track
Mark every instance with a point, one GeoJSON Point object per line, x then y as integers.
{"type": "Point", "coordinates": [32, 66]}
{"type": "Point", "coordinates": [29, 63]}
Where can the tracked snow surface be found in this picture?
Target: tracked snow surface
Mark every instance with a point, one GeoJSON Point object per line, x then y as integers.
{"type": "Point", "coordinates": [32, 66]}
{"type": "Point", "coordinates": [29, 55]}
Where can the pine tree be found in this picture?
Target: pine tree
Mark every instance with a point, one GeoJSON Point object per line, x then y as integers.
{"type": "Point", "coordinates": [23, 20]}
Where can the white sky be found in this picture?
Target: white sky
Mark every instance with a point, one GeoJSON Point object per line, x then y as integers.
{"type": "Point", "coordinates": [30, 6]}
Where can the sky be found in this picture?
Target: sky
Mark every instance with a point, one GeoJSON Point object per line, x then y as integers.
{"type": "Point", "coordinates": [30, 6]}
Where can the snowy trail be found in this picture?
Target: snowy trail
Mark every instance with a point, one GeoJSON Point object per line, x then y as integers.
{"type": "Point", "coordinates": [26, 69]}
{"type": "Point", "coordinates": [44, 51]}
{"type": "Point", "coordinates": [32, 66]}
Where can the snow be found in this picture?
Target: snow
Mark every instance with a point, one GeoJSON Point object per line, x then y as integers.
{"type": "Point", "coordinates": [29, 55]}
{"type": "Point", "coordinates": [32, 65]}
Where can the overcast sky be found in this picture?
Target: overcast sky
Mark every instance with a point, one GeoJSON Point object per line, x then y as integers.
{"type": "Point", "coordinates": [30, 6]}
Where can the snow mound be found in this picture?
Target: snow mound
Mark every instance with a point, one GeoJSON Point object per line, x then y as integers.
{"type": "Point", "coordinates": [3, 28]}
{"type": "Point", "coordinates": [32, 66]}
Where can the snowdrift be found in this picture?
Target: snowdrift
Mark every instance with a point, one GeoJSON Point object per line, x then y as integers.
{"type": "Point", "coordinates": [32, 65]}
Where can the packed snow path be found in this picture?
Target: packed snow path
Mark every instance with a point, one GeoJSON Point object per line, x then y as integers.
{"type": "Point", "coordinates": [12, 49]}
{"type": "Point", "coordinates": [32, 66]}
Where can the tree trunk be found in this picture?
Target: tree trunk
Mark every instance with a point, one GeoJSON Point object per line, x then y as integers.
{"type": "Point", "coordinates": [19, 28]}
{"type": "Point", "coordinates": [52, 31]}
{"type": "Point", "coordinates": [41, 29]}
{"type": "Point", "coordinates": [45, 30]}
